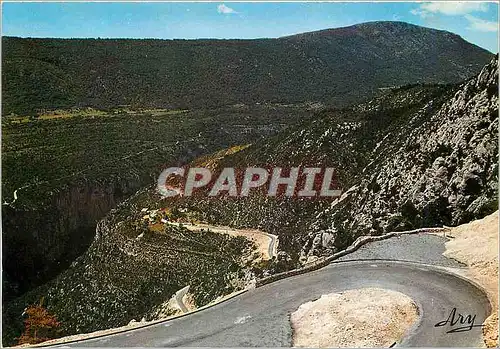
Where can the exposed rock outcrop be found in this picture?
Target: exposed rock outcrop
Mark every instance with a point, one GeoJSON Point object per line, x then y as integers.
{"type": "Point", "coordinates": [417, 156]}
{"type": "Point", "coordinates": [121, 278]}
{"type": "Point", "coordinates": [53, 236]}
{"type": "Point", "coordinates": [439, 168]}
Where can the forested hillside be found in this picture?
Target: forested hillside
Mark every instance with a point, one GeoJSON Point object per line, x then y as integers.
{"type": "Point", "coordinates": [336, 67]}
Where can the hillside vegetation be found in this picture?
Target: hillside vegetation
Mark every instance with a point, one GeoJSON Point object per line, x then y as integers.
{"type": "Point", "coordinates": [419, 156]}
{"type": "Point", "coordinates": [337, 67]}
{"type": "Point", "coordinates": [62, 172]}
{"type": "Point", "coordinates": [87, 122]}
{"type": "Point", "coordinates": [132, 267]}
{"type": "Point", "coordinates": [426, 156]}
{"type": "Point", "coordinates": [406, 115]}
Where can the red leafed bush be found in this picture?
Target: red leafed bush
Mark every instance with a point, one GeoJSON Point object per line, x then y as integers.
{"type": "Point", "coordinates": [39, 325]}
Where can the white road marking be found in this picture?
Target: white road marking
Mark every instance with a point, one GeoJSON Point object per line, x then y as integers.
{"type": "Point", "coordinates": [170, 341]}
{"type": "Point", "coordinates": [242, 320]}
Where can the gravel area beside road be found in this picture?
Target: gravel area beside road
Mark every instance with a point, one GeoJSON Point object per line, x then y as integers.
{"type": "Point", "coordinates": [360, 318]}
{"type": "Point", "coordinates": [476, 244]}
{"type": "Point", "coordinates": [421, 248]}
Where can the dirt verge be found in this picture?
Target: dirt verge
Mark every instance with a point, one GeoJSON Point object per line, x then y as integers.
{"type": "Point", "coordinates": [368, 317]}
{"type": "Point", "coordinates": [476, 245]}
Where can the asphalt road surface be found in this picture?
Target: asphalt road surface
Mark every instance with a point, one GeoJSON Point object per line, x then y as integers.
{"type": "Point", "coordinates": [260, 317]}
{"type": "Point", "coordinates": [273, 239]}
{"type": "Point", "coordinates": [272, 245]}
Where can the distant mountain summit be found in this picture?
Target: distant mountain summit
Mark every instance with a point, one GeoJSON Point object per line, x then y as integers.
{"type": "Point", "coordinates": [374, 28]}
{"type": "Point", "coordinates": [335, 66]}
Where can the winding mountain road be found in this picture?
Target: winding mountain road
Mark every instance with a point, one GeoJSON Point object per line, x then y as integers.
{"type": "Point", "coordinates": [260, 317]}
{"type": "Point", "coordinates": [266, 243]}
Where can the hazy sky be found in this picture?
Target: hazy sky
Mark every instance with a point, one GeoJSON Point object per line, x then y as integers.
{"type": "Point", "coordinates": [476, 22]}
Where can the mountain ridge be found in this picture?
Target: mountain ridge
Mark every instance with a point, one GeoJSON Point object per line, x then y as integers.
{"type": "Point", "coordinates": [337, 70]}
{"type": "Point", "coordinates": [331, 30]}
{"type": "Point", "coordinates": [368, 27]}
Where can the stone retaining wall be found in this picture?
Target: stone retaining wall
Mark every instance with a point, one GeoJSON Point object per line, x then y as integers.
{"type": "Point", "coordinates": [323, 262]}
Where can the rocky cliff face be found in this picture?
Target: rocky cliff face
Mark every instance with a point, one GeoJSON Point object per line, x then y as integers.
{"type": "Point", "coordinates": [68, 172]}
{"type": "Point", "coordinates": [48, 240]}
{"type": "Point", "coordinates": [439, 168]}
{"type": "Point", "coordinates": [131, 268]}
{"type": "Point", "coordinates": [417, 156]}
